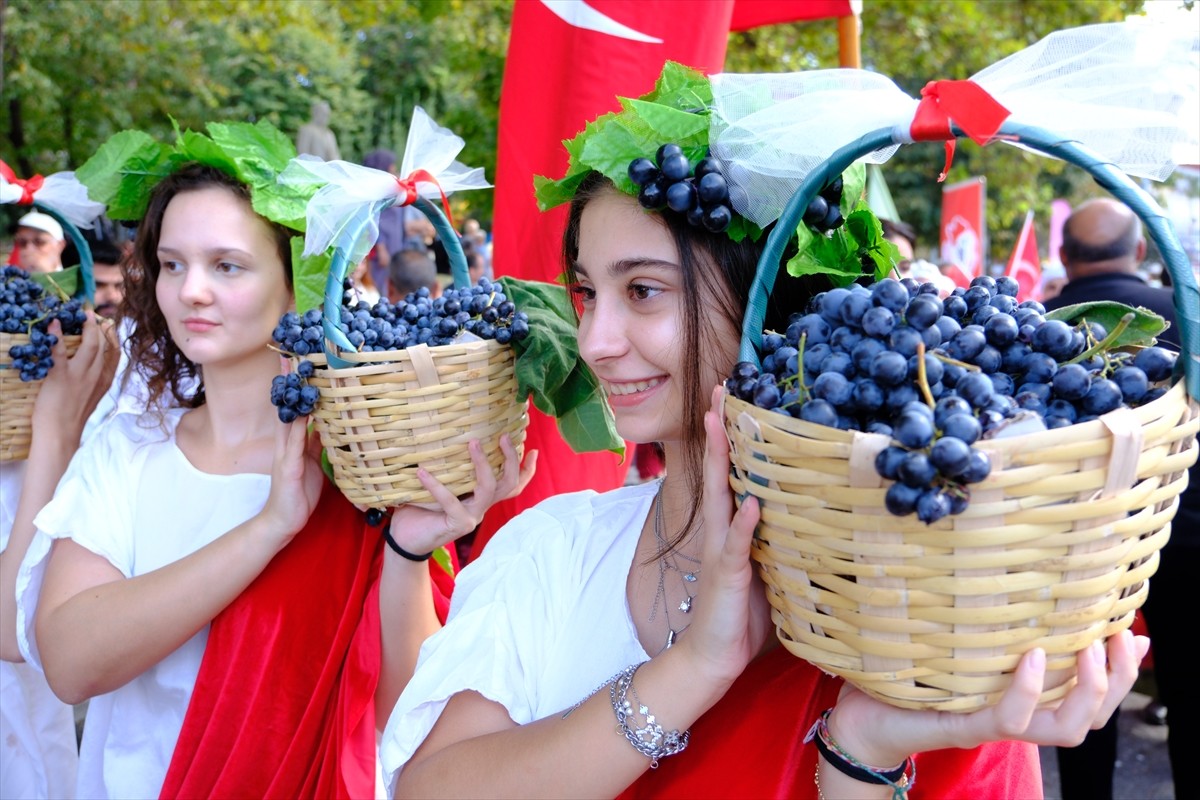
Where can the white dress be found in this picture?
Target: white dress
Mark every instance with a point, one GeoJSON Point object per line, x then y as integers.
{"type": "Point", "coordinates": [537, 622]}
{"type": "Point", "coordinates": [38, 758]}
{"type": "Point", "coordinates": [131, 496]}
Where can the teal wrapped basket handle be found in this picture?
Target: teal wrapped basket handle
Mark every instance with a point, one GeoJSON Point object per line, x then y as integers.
{"type": "Point", "coordinates": [340, 267]}
{"type": "Point", "coordinates": [1187, 295]}
{"type": "Point", "coordinates": [87, 286]}
{"type": "Point", "coordinates": [384, 415]}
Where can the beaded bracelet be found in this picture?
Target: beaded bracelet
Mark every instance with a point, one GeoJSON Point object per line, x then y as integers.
{"type": "Point", "coordinates": [850, 766]}
{"type": "Point", "coordinates": [651, 740]}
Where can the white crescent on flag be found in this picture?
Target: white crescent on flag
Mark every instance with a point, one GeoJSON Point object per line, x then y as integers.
{"type": "Point", "coordinates": [579, 14]}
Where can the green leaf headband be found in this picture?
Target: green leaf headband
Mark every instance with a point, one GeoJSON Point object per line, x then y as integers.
{"type": "Point", "coordinates": [124, 171]}
{"type": "Point", "coordinates": [127, 167]}
{"type": "Point", "coordinates": [676, 112]}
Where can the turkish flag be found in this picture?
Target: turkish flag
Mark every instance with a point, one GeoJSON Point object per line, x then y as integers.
{"type": "Point", "coordinates": [1024, 265]}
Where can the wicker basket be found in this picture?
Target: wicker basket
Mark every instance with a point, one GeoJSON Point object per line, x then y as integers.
{"type": "Point", "coordinates": [382, 415]}
{"type": "Point", "coordinates": [16, 396]}
{"type": "Point", "coordinates": [1054, 551]}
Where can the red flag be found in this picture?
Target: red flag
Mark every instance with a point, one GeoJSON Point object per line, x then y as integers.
{"type": "Point", "coordinates": [963, 225]}
{"type": "Point", "coordinates": [749, 14]}
{"type": "Point", "coordinates": [566, 65]}
{"type": "Point", "coordinates": [1024, 266]}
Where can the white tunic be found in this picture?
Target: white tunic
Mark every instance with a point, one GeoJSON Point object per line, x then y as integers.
{"type": "Point", "coordinates": [38, 759]}
{"type": "Point", "coordinates": [131, 496]}
{"type": "Point", "coordinates": [537, 622]}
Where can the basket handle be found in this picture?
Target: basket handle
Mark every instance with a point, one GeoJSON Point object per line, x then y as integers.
{"type": "Point", "coordinates": [335, 340]}
{"type": "Point", "coordinates": [87, 286]}
{"type": "Point", "coordinates": [1183, 280]}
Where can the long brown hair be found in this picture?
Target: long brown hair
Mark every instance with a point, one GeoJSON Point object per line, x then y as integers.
{"type": "Point", "coordinates": [716, 274]}
{"type": "Point", "coordinates": [151, 349]}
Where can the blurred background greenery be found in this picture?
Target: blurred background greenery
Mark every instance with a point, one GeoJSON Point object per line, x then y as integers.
{"type": "Point", "coordinates": [76, 71]}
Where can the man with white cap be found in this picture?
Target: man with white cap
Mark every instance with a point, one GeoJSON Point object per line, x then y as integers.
{"type": "Point", "coordinates": [39, 243]}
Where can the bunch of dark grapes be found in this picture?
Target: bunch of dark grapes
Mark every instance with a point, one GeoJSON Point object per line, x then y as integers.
{"type": "Point", "coordinates": [939, 375]}
{"type": "Point", "coordinates": [292, 394]}
{"type": "Point", "coordinates": [824, 212]}
{"type": "Point", "coordinates": [26, 308]}
{"type": "Point", "coordinates": [482, 311]}
{"type": "Point", "coordinates": [670, 182]}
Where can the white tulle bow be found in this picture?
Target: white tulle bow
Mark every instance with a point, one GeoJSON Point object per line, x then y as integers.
{"type": "Point", "coordinates": [62, 192]}
{"type": "Point", "coordinates": [351, 196]}
{"type": "Point", "coordinates": [1128, 92]}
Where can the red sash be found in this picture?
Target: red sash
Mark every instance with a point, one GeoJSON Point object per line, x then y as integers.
{"type": "Point", "coordinates": [751, 745]}
{"type": "Point", "coordinates": [284, 702]}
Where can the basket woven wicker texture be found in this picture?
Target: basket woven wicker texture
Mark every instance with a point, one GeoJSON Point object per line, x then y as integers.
{"type": "Point", "coordinates": [381, 415]}
{"type": "Point", "coordinates": [16, 396]}
{"type": "Point", "coordinates": [1054, 551]}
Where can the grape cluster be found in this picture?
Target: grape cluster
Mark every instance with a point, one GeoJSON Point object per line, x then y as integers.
{"type": "Point", "coordinates": [670, 182]}
{"type": "Point", "coordinates": [482, 311]}
{"type": "Point", "coordinates": [937, 376]}
{"type": "Point", "coordinates": [824, 212]}
{"type": "Point", "coordinates": [292, 394]}
{"type": "Point", "coordinates": [25, 307]}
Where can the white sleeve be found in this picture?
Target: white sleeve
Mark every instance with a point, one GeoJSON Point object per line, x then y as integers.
{"type": "Point", "coordinates": [494, 641]}
{"type": "Point", "coordinates": [91, 506]}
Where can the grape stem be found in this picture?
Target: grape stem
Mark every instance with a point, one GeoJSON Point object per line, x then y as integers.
{"type": "Point", "coordinates": [1104, 344]}
{"type": "Point", "coordinates": [948, 360]}
{"type": "Point", "coordinates": [922, 378]}
{"type": "Point", "coordinates": [800, 368]}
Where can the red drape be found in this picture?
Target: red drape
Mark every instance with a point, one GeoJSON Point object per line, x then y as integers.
{"type": "Point", "coordinates": [744, 747]}
{"type": "Point", "coordinates": [749, 14]}
{"type": "Point", "coordinates": [283, 705]}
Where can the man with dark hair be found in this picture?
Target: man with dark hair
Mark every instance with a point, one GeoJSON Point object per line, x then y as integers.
{"type": "Point", "coordinates": [110, 284]}
{"type": "Point", "coordinates": [409, 271]}
{"type": "Point", "coordinates": [1102, 248]}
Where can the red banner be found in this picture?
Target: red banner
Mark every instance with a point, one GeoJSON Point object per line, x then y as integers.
{"type": "Point", "coordinates": [1024, 265]}
{"type": "Point", "coordinates": [749, 14]}
{"type": "Point", "coordinates": [963, 226]}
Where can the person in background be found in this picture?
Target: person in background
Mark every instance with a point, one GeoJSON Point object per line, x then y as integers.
{"type": "Point", "coordinates": [39, 243]}
{"type": "Point", "coordinates": [1054, 278]}
{"type": "Point", "coordinates": [904, 236]}
{"type": "Point", "coordinates": [1102, 249]}
{"type": "Point", "coordinates": [38, 754]}
{"type": "Point", "coordinates": [412, 271]}
{"type": "Point", "coordinates": [110, 282]}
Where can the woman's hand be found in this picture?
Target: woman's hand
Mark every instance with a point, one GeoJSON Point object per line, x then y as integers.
{"type": "Point", "coordinates": [296, 476]}
{"type": "Point", "coordinates": [74, 386]}
{"type": "Point", "coordinates": [879, 734]}
{"type": "Point", "coordinates": [732, 614]}
{"type": "Point", "coordinates": [422, 528]}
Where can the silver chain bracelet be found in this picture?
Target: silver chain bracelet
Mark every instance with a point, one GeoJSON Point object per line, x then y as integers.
{"type": "Point", "coordinates": [650, 739]}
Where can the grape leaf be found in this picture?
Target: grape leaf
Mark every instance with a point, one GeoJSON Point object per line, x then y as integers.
{"type": "Point", "coordinates": [550, 371]}
{"type": "Point", "coordinates": [63, 284]}
{"type": "Point", "coordinates": [103, 172]}
{"type": "Point", "coordinates": [854, 183]}
{"type": "Point", "coordinates": [308, 276]}
{"type": "Point", "coordinates": [671, 124]}
{"type": "Point", "coordinates": [1143, 330]}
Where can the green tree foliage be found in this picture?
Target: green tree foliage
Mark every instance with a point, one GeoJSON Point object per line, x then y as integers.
{"type": "Point", "coordinates": [916, 41]}
{"type": "Point", "coordinates": [76, 71]}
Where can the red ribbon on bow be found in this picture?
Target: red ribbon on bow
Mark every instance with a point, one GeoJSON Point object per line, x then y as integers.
{"type": "Point", "coordinates": [966, 104]}
{"type": "Point", "coordinates": [409, 187]}
{"type": "Point", "coordinates": [28, 187]}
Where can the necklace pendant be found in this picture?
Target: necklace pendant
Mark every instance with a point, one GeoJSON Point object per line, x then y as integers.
{"type": "Point", "coordinates": [690, 577]}
{"type": "Point", "coordinates": [686, 605]}
{"type": "Point", "coordinates": [670, 638]}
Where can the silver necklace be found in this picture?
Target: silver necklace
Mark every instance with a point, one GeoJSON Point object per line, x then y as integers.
{"type": "Point", "coordinates": [688, 574]}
